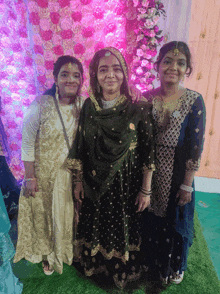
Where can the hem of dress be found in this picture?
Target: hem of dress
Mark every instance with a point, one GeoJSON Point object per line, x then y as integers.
{"type": "Point", "coordinates": [99, 248]}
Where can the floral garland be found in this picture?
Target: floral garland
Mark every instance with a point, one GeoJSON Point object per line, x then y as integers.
{"type": "Point", "coordinates": [148, 39]}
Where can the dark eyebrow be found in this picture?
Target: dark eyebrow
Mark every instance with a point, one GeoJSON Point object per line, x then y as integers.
{"type": "Point", "coordinates": [65, 71]}
{"type": "Point", "coordinates": [106, 66]}
{"type": "Point", "coordinates": [182, 59]}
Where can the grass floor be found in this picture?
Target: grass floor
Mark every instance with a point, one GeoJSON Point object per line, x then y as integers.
{"type": "Point", "coordinates": [200, 278]}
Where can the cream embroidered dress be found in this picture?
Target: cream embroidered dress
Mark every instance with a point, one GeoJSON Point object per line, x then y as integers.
{"type": "Point", "coordinates": [46, 226]}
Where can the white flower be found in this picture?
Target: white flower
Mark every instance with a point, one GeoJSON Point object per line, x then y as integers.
{"type": "Point", "coordinates": [140, 52]}
{"type": "Point", "coordinates": [144, 62]}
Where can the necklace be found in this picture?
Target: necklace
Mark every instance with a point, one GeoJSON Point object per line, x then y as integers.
{"type": "Point", "coordinates": [109, 103]}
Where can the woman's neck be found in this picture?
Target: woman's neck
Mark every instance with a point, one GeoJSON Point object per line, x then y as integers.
{"type": "Point", "coordinates": [109, 97]}
{"type": "Point", "coordinates": [67, 100]}
{"type": "Point", "coordinates": [170, 92]}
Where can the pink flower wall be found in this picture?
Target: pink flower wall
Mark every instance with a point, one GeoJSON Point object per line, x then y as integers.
{"type": "Point", "coordinates": [33, 34]}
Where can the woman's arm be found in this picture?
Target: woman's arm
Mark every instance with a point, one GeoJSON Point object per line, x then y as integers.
{"type": "Point", "coordinates": [195, 142]}
{"type": "Point", "coordinates": [31, 125]}
{"type": "Point", "coordinates": [143, 198]}
{"type": "Point", "coordinates": [148, 155]}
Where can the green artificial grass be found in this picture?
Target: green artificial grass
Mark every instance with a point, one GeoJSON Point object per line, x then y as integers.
{"type": "Point", "coordinates": [200, 277]}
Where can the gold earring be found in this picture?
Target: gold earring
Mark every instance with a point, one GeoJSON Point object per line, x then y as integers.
{"type": "Point", "coordinates": [57, 93]}
{"type": "Point", "coordinates": [158, 78]}
{"type": "Point", "coordinates": [183, 78]}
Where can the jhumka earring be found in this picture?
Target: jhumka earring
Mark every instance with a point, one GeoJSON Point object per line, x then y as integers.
{"type": "Point", "coordinates": [176, 50]}
{"type": "Point", "coordinates": [98, 88]}
{"type": "Point", "coordinates": [57, 93]}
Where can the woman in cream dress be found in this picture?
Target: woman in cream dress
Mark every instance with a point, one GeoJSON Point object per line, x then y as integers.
{"type": "Point", "coordinates": [47, 216]}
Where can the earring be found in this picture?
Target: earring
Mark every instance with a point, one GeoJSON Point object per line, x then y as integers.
{"type": "Point", "coordinates": [57, 93]}
{"type": "Point", "coordinates": [98, 88]}
{"type": "Point", "coordinates": [158, 78]}
{"type": "Point", "coordinates": [183, 78]}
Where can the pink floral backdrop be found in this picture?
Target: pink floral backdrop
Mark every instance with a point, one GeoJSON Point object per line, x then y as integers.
{"type": "Point", "coordinates": [33, 34]}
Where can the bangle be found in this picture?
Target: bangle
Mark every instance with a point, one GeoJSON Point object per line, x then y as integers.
{"type": "Point", "coordinates": [30, 179]}
{"type": "Point", "coordinates": [186, 188]}
{"type": "Point", "coordinates": [146, 192]}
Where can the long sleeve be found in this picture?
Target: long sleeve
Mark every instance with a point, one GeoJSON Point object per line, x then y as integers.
{"type": "Point", "coordinates": [196, 131]}
{"type": "Point", "coordinates": [146, 131]}
{"type": "Point", "coordinates": [31, 125]}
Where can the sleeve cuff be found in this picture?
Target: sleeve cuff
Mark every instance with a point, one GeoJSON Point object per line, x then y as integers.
{"type": "Point", "coordinates": [151, 167]}
{"type": "Point", "coordinates": [193, 164]}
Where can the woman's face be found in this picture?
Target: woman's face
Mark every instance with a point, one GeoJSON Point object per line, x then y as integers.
{"type": "Point", "coordinates": [69, 80]}
{"type": "Point", "coordinates": [172, 68]}
{"type": "Point", "coordinates": [110, 75]}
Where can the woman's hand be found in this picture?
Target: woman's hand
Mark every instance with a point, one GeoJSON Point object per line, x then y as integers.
{"type": "Point", "coordinates": [184, 197]}
{"type": "Point", "coordinates": [78, 191]}
{"type": "Point", "coordinates": [142, 201]}
{"type": "Point", "coordinates": [31, 187]}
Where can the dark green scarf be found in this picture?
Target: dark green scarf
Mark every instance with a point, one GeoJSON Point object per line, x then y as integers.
{"type": "Point", "coordinates": [102, 144]}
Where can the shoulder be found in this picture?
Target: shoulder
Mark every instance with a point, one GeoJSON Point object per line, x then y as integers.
{"type": "Point", "coordinates": [195, 98]}
{"type": "Point", "coordinates": [41, 99]}
{"type": "Point", "coordinates": [151, 94]}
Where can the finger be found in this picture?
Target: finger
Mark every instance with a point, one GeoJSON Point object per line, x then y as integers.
{"type": "Point", "coordinates": [82, 194]}
{"type": "Point", "coordinates": [136, 202]}
{"type": "Point", "coordinates": [36, 188]}
{"type": "Point", "coordinates": [139, 207]}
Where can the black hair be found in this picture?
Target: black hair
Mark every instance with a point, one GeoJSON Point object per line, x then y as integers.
{"type": "Point", "coordinates": [63, 60]}
{"type": "Point", "coordinates": [57, 66]}
{"type": "Point", "coordinates": [183, 48]}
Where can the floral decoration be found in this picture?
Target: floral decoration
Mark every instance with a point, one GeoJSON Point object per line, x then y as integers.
{"type": "Point", "coordinates": [34, 33]}
{"type": "Point", "coordinates": [148, 37]}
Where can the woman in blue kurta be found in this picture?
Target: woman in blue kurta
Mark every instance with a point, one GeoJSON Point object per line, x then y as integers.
{"type": "Point", "coordinates": [9, 284]}
{"type": "Point", "coordinates": [179, 116]}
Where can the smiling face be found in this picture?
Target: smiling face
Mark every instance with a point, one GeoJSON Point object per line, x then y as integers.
{"type": "Point", "coordinates": [172, 68]}
{"type": "Point", "coordinates": [69, 80]}
{"type": "Point", "coordinates": [110, 75]}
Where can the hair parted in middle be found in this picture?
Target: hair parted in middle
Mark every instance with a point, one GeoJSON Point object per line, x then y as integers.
{"type": "Point", "coordinates": [93, 70]}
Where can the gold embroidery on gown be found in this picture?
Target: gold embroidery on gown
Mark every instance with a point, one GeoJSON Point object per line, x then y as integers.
{"type": "Point", "coordinates": [168, 117]}
{"type": "Point", "coordinates": [46, 222]}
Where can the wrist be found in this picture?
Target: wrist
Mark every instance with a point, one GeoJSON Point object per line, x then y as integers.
{"type": "Point", "coordinates": [146, 192]}
{"type": "Point", "coordinates": [186, 188]}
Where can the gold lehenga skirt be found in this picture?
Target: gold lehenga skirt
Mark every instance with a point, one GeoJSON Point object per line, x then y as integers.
{"type": "Point", "coordinates": [47, 226]}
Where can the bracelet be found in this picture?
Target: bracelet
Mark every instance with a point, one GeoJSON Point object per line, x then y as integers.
{"type": "Point", "coordinates": [186, 188]}
{"type": "Point", "coordinates": [146, 192]}
{"type": "Point", "coordinates": [30, 179]}
{"type": "Point", "coordinates": [78, 178]}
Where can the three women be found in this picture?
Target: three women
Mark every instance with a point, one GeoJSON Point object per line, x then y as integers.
{"type": "Point", "coordinates": [112, 160]}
